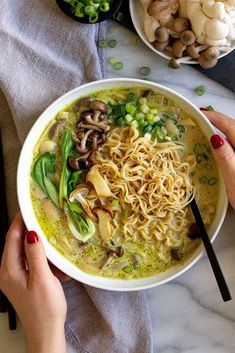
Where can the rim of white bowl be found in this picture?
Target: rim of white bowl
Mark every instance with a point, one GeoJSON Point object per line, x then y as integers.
{"type": "Point", "coordinates": [31, 222]}
{"type": "Point", "coordinates": [142, 35]}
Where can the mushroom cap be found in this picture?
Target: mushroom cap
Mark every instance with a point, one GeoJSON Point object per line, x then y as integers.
{"type": "Point", "coordinates": [187, 37]}
{"type": "Point", "coordinates": [211, 53]}
{"type": "Point", "coordinates": [181, 24]}
{"type": "Point", "coordinates": [162, 34]}
{"type": "Point", "coordinates": [178, 48]}
{"type": "Point", "coordinates": [161, 10]}
{"type": "Point", "coordinates": [192, 51]}
{"type": "Point", "coordinates": [174, 63]}
{"type": "Point", "coordinates": [161, 46]}
{"type": "Point", "coordinates": [205, 63]}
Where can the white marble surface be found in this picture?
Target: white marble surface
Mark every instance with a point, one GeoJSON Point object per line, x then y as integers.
{"type": "Point", "coordinates": [188, 314]}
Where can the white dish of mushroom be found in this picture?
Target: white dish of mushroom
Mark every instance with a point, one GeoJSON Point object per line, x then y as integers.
{"type": "Point", "coordinates": [186, 31]}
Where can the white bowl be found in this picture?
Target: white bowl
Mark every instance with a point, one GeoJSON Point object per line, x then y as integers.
{"type": "Point", "coordinates": [23, 189]}
{"type": "Point", "coordinates": [137, 16]}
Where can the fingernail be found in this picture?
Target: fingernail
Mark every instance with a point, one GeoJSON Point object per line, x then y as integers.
{"type": "Point", "coordinates": [216, 141]}
{"type": "Point", "coordinates": [203, 109]}
{"type": "Point", "coordinates": [32, 237]}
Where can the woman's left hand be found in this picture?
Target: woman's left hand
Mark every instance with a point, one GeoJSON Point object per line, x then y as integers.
{"type": "Point", "coordinates": [33, 290]}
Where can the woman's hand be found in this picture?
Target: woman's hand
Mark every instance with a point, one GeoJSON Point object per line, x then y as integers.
{"type": "Point", "coordinates": [36, 294]}
{"type": "Point", "coordinates": [223, 150]}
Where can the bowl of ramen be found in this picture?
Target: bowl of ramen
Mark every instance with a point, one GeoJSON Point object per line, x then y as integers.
{"type": "Point", "coordinates": [106, 175]}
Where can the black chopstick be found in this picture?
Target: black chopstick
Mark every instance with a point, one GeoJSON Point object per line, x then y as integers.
{"type": "Point", "coordinates": [211, 254]}
{"type": "Point", "coordinates": [4, 303]}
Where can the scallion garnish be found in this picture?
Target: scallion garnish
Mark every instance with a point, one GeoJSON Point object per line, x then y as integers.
{"type": "Point", "coordinates": [102, 43]}
{"type": "Point", "coordinates": [112, 43]}
{"type": "Point", "coordinates": [210, 108]}
{"type": "Point", "coordinates": [200, 90]}
{"type": "Point", "coordinates": [118, 65]}
{"type": "Point", "coordinates": [145, 71]}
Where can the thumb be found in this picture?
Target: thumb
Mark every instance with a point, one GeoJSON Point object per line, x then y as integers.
{"type": "Point", "coordinates": [225, 158]}
{"type": "Point", "coordinates": [35, 254]}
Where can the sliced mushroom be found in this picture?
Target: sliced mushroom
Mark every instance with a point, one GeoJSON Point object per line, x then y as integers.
{"type": "Point", "coordinates": [104, 223]}
{"type": "Point", "coordinates": [50, 210]}
{"type": "Point", "coordinates": [47, 146]}
{"type": "Point", "coordinates": [100, 185]}
{"type": "Point", "coordinates": [105, 208]}
{"type": "Point", "coordinates": [79, 194]}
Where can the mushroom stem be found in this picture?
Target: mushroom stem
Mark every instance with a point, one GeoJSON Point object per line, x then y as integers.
{"type": "Point", "coordinates": [84, 139]}
{"type": "Point", "coordinates": [175, 63]}
{"type": "Point", "coordinates": [96, 123]}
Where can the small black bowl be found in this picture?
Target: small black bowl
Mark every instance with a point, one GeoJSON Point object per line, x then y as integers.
{"type": "Point", "coordinates": [66, 8]}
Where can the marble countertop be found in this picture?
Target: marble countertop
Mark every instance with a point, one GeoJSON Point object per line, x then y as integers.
{"type": "Point", "coordinates": [188, 314]}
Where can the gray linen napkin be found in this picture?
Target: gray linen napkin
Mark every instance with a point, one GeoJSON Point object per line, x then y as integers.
{"type": "Point", "coordinates": [43, 55]}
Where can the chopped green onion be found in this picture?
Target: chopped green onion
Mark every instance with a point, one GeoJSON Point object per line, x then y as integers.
{"type": "Point", "coordinates": [125, 213]}
{"type": "Point", "coordinates": [212, 181]}
{"type": "Point", "coordinates": [181, 128]}
{"type": "Point", "coordinates": [130, 108]}
{"type": "Point", "coordinates": [118, 16]}
{"type": "Point", "coordinates": [79, 11]}
{"type": "Point", "coordinates": [203, 180]}
{"type": "Point", "coordinates": [145, 71]}
{"type": "Point", "coordinates": [191, 174]}
{"type": "Point", "coordinates": [143, 100]}
{"type": "Point", "coordinates": [115, 202]}
{"type": "Point", "coordinates": [102, 43]}
{"type": "Point", "coordinates": [208, 166]}
{"type": "Point", "coordinates": [118, 65]}
{"type": "Point", "coordinates": [120, 122]}
{"type": "Point", "coordinates": [113, 61]}
{"type": "Point", "coordinates": [210, 108]}
{"type": "Point", "coordinates": [104, 7]}
{"type": "Point", "coordinates": [93, 18]}
{"type": "Point", "coordinates": [199, 158]}
{"type": "Point", "coordinates": [112, 43]}
{"type": "Point", "coordinates": [128, 269]}
{"type": "Point", "coordinates": [200, 90]}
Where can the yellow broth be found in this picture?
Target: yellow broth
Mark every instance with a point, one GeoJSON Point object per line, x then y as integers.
{"type": "Point", "coordinates": [153, 256]}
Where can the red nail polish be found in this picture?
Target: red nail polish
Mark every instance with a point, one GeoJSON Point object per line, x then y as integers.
{"type": "Point", "coordinates": [216, 141]}
{"type": "Point", "coordinates": [203, 109]}
{"type": "Point", "coordinates": [32, 237]}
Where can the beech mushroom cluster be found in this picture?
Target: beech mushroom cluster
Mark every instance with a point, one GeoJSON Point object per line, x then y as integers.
{"type": "Point", "coordinates": [92, 129]}
{"type": "Point", "coordinates": [189, 29]}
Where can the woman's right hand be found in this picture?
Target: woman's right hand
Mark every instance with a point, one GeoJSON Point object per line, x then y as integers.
{"type": "Point", "coordinates": [223, 149]}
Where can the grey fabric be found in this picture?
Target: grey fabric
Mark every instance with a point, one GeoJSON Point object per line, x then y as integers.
{"type": "Point", "coordinates": [43, 55]}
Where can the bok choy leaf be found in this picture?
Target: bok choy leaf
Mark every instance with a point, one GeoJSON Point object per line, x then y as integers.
{"type": "Point", "coordinates": [43, 167]}
{"type": "Point", "coordinates": [67, 149]}
{"type": "Point", "coordinates": [80, 225]}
